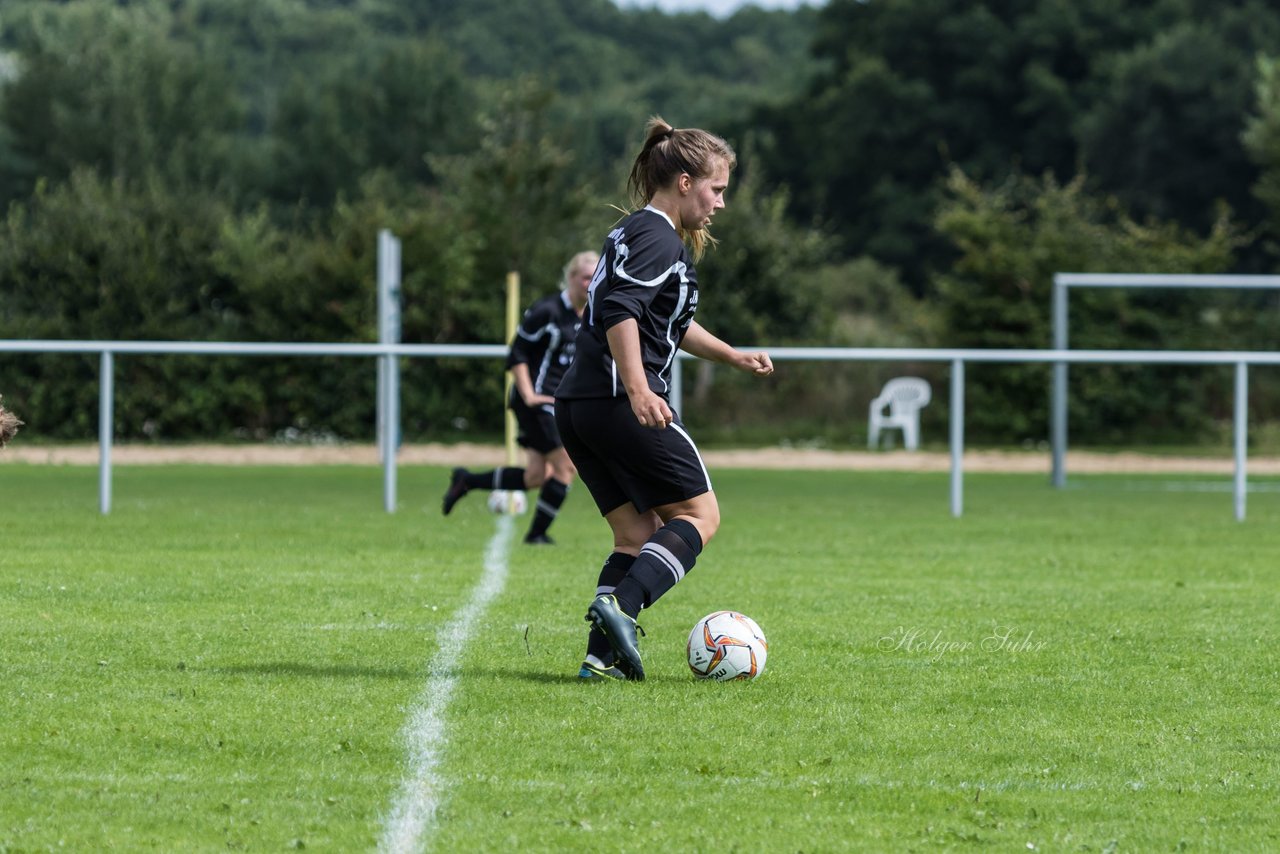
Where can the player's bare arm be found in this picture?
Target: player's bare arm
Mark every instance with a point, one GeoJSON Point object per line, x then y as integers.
{"type": "Point", "coordinates": [624, 345]}
{"type": "Point", "coordinates": [701, 343]}
{"type": "Point", "coordinates": [524, 387]}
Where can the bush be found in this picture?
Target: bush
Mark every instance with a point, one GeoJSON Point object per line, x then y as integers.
{"type": "Point", "coordinates": [1012, 239]}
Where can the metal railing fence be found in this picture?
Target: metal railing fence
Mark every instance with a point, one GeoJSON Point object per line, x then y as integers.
{"type": "Point", "coordinates": [389, 418]}
{"type": "Point", "coordinates": [1062, 284]}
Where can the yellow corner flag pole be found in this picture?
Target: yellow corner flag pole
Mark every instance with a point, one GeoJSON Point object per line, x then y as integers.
{"type": "Point", "coordinates": [513, 318]}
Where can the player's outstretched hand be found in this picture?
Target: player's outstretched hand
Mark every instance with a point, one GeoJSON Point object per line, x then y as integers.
{"type": "Point", "coordinates": [756, 363]}
{"type": "Point", "coordinates": [9, 425]}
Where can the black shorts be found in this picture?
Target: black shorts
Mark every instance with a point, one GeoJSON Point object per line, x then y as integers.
{"type": "Point", "coordinates": [621, 461]}
{"type": "Point", "coordinates": [537, 426]}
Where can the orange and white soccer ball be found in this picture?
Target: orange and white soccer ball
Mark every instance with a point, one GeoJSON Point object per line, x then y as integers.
{"type": "Point", "coordinates": [726, 645]}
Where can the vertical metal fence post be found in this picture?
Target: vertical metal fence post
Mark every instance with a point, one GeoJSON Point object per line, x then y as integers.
{"type": "Point", "coordinates": [388, 418]}
{"type": "Point", "coordinates": [390, 432]}
{"type": "Point", "coordinates": [1058, 402]}
{"type": "Point", "coordinates": [957, 438]}
{"type": "Point", "coordinates": [106, 425]}
{"type": "Point", "coordinates": [1241, 435]}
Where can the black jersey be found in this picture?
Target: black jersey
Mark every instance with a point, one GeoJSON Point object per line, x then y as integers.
{"type": "Point", "coordinates": [545, 341]}
{"type": "Point", "coordinates": [644, 274]}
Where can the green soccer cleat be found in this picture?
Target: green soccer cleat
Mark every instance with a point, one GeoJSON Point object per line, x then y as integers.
{"type": "Point", "coordinates": [620, 630]}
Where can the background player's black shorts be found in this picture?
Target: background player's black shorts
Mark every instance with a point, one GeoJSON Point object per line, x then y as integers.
{"type": "Point", "coordinates": [621, 461]}
{"type": "Point", "coordinates": [537, 426]}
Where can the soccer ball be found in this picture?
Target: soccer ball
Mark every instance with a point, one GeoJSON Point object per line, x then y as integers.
{"type": "Point", "coordinates": [508, 501]}
{"type": "Point", "coordinates": [726, 645]}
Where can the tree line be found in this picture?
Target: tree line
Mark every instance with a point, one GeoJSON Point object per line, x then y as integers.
{"type": "Point", "coordinates": [912, 173]}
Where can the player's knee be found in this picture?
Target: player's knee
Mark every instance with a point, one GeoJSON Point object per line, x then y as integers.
{"type": "Point", "coordinates": [704, 514]}
{"type": "Point", "coordinates": [707, 522]}
{"type": "Point", "coordinates": [630, 538]}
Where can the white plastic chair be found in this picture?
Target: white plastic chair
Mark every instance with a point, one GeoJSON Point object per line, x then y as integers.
{"type": "Point", "coordinates": [903, 397]}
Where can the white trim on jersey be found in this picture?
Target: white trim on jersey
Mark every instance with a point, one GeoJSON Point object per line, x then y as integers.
{"type": "Point", "coordinates": [661, 214]}
{"type": "Point", "coordinates": [552, 329]}
{"type": "Point", "coordinates": [665, 373]}
{"type": "Point", "coordinates": [553, 348]}
{"type": "Point", "coordinates": [596, 279]}
{"type": "Point", "coordinates": [678, 268]}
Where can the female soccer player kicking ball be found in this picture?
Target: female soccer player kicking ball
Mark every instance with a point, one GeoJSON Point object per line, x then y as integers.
{"type": "Point", "coordinates": [612, 407]}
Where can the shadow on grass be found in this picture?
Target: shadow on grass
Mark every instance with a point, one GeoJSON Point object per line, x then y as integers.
{"type": "Point", "coordinates": [356, 671]}
{"type": "Point", "coordinates": [532, 674]}
{"type": "Point", "coordinates": [318, 671]}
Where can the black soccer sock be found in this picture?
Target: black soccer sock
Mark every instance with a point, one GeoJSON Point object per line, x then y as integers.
{"type": "Point", "coordinates": [550, 498]}
{"type": "Point", "coordinates": [664, 560]}
{"type": "Point", "coordinates": [614, 570]}
{"type": "Point", "coordinates": [507, 477]}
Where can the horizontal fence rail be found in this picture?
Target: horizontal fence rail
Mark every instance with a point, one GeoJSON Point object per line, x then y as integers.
{"type": "Point", "coordinates": [107, 350]}
{"type": "Point", "coordinates": [252, 348]}
{"type": "Point", "coordinates": [839, 354]}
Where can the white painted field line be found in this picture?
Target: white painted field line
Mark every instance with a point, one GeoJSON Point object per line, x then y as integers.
{"type": "Point", "coordinates": [415, 806]}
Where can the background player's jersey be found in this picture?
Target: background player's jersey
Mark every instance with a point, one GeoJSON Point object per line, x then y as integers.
{"type": "Point", "coordinates": [545, 342]}
{"type": "Point", "coordinates": [644, 274]}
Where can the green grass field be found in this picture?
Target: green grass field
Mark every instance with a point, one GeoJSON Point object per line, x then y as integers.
{"type": "Point", "coordinates": [231, 658]}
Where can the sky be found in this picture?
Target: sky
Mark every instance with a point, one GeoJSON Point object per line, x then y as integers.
{"type": "Point", "coordinates": [719, 8]}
